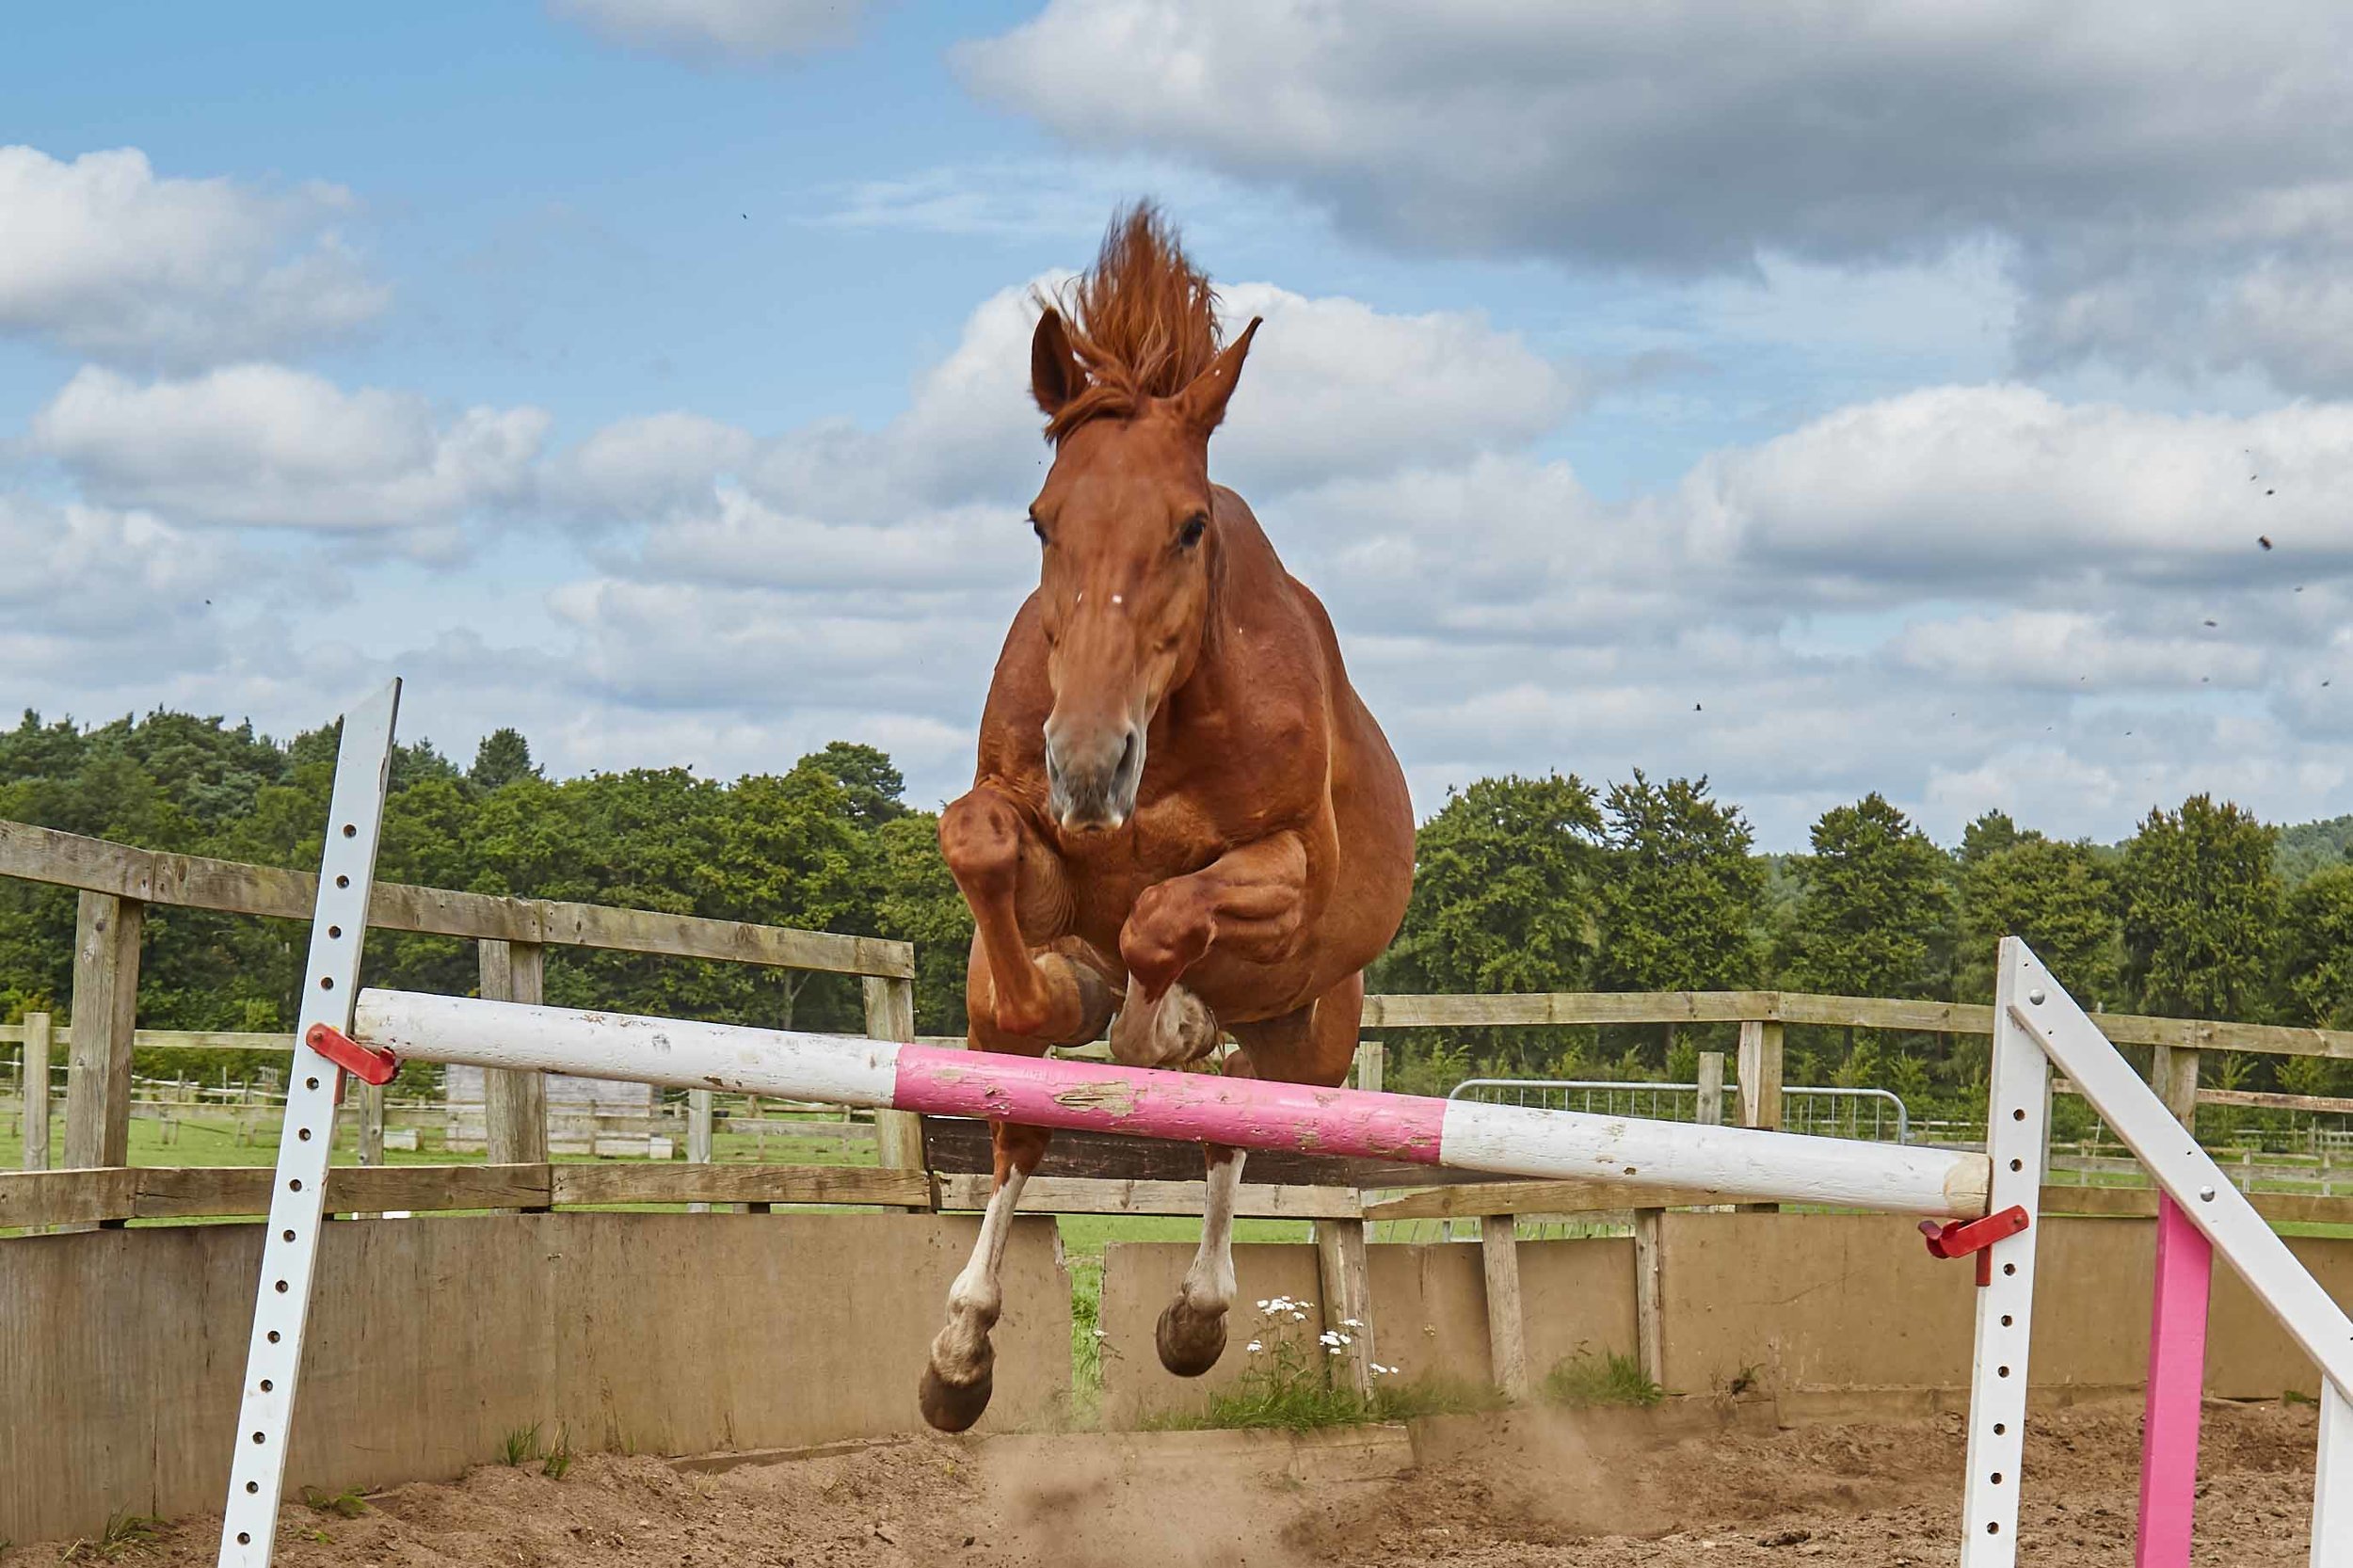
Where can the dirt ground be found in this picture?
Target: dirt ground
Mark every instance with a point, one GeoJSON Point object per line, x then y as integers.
{"type": "Point", "coordinates": [1545, 1489]}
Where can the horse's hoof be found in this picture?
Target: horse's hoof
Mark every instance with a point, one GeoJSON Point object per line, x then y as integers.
{"type": "Point", "coordinates": [1190, 1343]}
{"type": "Point", "coordinates": [954, 1406]}
{"type": "Point", "coordinates": [1174, 1033]}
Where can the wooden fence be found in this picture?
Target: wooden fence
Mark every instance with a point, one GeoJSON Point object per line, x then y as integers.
{"type": "Point", "coordinates": [924, 1164]}
{"type": "Point", "coordinates": [118, 882]}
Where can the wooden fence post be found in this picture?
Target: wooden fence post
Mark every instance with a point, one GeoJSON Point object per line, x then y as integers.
{"type": "Point", "coordinates": [1760, 1073]}
{"type": "Point", "coordinates": [106, 1013]}
{"type": "Point", "coordinates": [1649, 1348]}
{"type": "Point", "coordinates": [1507, 1331]}
{"type": "Point", "coordinates": [698, 1139]}
{"type": "Point", "coordinates": [1760, 1085]}
{"type": "Point", "coordinates": [2173, 1073]}
{"type": "Point", "coordinates": [1370, 1059]}
{"type": "Point", "coordinates": [1345, 1281]}
{"type": "Point", "coordinates": [891, 1015]}
{"type": "Point", "coordinates": [35, 1075]}
{"type": "Point", "coordinates": [514, 1104]}
{"type": "Point", "coordinates": [1711, 1112]}
{"type": "Point", "coordinates": [371, 1101]}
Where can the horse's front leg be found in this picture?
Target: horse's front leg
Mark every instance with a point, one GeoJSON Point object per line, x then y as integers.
{"type": "Point", "coordinates": [1029, 987]}
{"type": "Point", "coordinates": [1247, 903]}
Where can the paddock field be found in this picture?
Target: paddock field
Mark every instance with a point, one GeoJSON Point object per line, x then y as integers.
{"type": "Point", "coordinates": [1695, 1482]}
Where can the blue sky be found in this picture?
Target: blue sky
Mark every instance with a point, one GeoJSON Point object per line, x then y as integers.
{"type": "Point", "coordinates": [1850, 399]}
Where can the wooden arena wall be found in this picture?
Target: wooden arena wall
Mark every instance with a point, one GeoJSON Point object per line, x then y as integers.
{"type": "Point", "coordinates": [1806, 1306]}
{"type": "Point", "coordinates": [431, 1341]}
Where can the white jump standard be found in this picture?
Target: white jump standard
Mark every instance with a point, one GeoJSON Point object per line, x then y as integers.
{"type": "Point", "coordinates": [1986, 1202]}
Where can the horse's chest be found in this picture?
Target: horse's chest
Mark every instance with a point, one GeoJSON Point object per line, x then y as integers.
{"type": "Point", "coordinates": [1105, 882]}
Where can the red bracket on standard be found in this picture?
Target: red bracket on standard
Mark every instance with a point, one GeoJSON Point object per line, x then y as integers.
{"type": "Point", "coordinates": [1963, 1237]}
{"type": "Point", "coordinates": [361, 1061]}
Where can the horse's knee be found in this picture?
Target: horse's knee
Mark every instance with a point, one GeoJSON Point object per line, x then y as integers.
{"type": "Point", "coordinates": [979, 838]}
{"type": "Point", "coordinates": [1170, 928]}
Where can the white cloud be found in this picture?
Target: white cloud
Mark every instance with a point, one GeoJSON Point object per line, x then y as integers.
{"type": "Point", "coordinates": [104, 258]}
{"type": "Point", "coordinates": [1335, 387]}
{"type": "Point", "coordinates": [2009, 492]}
{"type": "Point", "coordinates": [262, 445]}
{"type": "Point", "coordinates": [2176, 187]}
{"type": "Point", "coordinates": [2066, 650]}
{"type": "Point", "coordinates": [94, 596]}
{"type": "Point", "coordinates": [713, 30]}
{"type": "Point", "coordinates": [647, 467]}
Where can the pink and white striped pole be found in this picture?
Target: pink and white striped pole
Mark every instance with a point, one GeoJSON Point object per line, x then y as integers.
{"type": "Point", "coordinates": [1503, 1139]}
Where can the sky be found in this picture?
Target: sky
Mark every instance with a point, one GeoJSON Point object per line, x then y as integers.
{"type": "Point", "coordinates": [1951, 402]}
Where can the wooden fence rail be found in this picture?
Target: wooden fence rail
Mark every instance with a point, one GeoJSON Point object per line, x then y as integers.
{"type": "Point", "coordinates": [1556, 1008]}
{"type": "Point", "coordinates": [116, 882]}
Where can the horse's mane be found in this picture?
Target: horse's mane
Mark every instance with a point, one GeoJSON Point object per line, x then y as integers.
{"type": "Point", "coordinates": [1143, 321]}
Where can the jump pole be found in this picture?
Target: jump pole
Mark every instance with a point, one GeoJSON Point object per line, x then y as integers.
{"type": "Point", "coordinates": [1734, 1163]}
{"type": "Point", "coordinates": [1987, 1201]}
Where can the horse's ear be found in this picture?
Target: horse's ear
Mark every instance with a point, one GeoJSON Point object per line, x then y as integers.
{"type": "Point", "coordinates": [1201, 403]}
{"type": "Point", "coordinates": [1055, 375]}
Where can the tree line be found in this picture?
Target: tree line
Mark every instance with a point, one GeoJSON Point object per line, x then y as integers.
{"type": "Point", "coordinates": [1521, 884]}
{"type": "Point", "coordinates": [1543, 883]}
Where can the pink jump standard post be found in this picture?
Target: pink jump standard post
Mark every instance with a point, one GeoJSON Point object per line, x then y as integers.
{"type": "Point", "coordinates": [2177, 1377]}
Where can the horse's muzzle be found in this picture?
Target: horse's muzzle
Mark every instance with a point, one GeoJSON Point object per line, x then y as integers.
{"type": "Point", "coordinates": [1091, 780]}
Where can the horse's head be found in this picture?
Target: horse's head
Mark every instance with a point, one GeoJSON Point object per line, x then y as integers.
{"type": "Point", "coordinates": [1129, 544]}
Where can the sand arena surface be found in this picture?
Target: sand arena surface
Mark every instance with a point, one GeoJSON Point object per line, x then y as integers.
{"type": "Point", "coordinates": [1541, 1488]}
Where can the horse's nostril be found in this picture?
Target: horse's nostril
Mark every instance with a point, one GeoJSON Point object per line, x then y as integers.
{"type": "Point", "coordinates": [1126, 753]}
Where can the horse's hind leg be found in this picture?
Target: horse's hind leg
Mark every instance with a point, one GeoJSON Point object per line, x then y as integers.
{"type": "Point", "coordinates": [1190, 1335]}
{"type": "Point", "coordinates": [1315, 1045]}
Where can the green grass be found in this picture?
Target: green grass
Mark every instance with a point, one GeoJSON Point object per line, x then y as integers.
{"type": "Point", "coordinates": [1307, 1405]}
{"type": "Point", "coordinates": [1585, 1380]}
{"type": "Point", "coordinates": [521, 1444]}
{"type": "Point", "coordinates": [1288, 1384]}
{"type": "Point", "coordinates": [344, 1505]}
{"type": "Point", "coordinates": [1084, 1239]}
{"type": "Point", "coordinates": [211, 1141]}
{"type": "Point", "coordinates": [124, 1532]}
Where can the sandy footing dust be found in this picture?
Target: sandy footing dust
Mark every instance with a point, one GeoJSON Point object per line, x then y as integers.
{"type": "Point", "coordinates": [1540, 1489]}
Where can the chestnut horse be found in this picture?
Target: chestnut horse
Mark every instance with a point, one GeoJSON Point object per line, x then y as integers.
{"type": "Point", "coordinates": [1181, 812]}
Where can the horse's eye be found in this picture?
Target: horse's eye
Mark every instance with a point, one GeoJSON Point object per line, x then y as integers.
{"type": "Point", "coordinates": [1191, 534]}
{"type": "Point", "coordinates": [1038, 528]}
